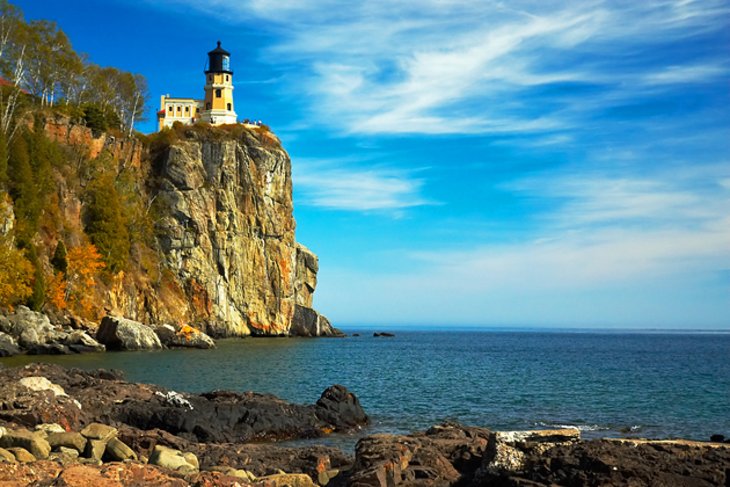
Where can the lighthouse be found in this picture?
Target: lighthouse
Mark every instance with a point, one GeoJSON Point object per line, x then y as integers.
{"type": "Point", "coordinates": [216, 108]}
{"type": "Point", "coordinates": [218, 103]}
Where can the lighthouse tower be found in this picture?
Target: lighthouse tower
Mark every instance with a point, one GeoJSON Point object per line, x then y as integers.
{"type": "Point", "coordinates": [218, 108]}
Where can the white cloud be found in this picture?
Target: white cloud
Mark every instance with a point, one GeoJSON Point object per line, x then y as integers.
{"type": "Point", "coordinates": [432, 66]}
{"type": "Point", "coordinates": [610, 229]}
{"type": "Point", "coordinates": [337, 185]}
{"type": "Point", "coordinates": [630, 251]}
{"type": "Point", "coordinates": [697, 73]}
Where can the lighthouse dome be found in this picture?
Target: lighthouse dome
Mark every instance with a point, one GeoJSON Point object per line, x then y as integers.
{"type": "Point", "coordinates": [219, 61]}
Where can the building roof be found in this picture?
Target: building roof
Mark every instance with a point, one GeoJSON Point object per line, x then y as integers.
{"type": "Point", "coordinates": [219, 50]}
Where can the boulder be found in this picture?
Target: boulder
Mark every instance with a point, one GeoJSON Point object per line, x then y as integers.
{"type": "Point", "coordinates": [123, 334]}
{"type": "Point", "coordinates": [8, 345]}
{"type": "Point", "coordinates": [33, 442]}
{"type": "Point", "coordinates": [443, 455]}
{"type": "Point", "coordinates": [340, 408]}
{"type": "Point", "coordinates": [66, 455]}
{"type": "Point", "coordinates": [306, 322]}
{"type": "Point", "coordinates": [95, 449]}
{"type": "Point", "coordinates": [184, 336]}
{"type": "Point", "coordinates": [173, 459]}
{"type": "Point", "coordinates": [46, 429]}
{"type": "Point", "coordinates": [99, 431]}
{"type": "Point", "coordinates": [117, 451]}
{"type": "Point", "coordinates": [69, 440]}
{"type": "Point", "coordinates": [6, 456]}
{"type": "Point", "coordinates": [42, 384]}
{"type": "Point", "coordinates": [22, 455]}
{"type": "Point", "coordinates": [34, 331]}
{"type": "Point", "coordinates": [79, 341]}
{"type": "Point", "coordinates": [389, 460]}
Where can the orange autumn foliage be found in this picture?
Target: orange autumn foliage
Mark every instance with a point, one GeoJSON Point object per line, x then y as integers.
{"type": "Point", "coordinates": [16, 275]}
{"type": "Point", "coordinates": [75, 290]}
{"type": "Point", "coordinates": [56, 291]}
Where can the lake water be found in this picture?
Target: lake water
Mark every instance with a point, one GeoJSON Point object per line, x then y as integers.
{"type": "Point", "coordinates": [608, 384]}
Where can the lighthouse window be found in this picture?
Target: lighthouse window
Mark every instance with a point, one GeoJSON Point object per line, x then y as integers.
{"type": "Point", "coordinates": [229, 107]}
{"type": "Point", "coordinates": [226, 77]}
{"type": "Point", "coordinates": [218, 93]}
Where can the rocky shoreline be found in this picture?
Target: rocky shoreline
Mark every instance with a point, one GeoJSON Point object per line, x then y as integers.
{"type": "Point", "coordinates": [24, 331]}
{"type": "Point", "coordinates": [63, 426]}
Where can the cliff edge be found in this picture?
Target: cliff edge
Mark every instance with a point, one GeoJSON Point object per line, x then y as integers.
{"type": "Point", "coordinates": [226, 231]}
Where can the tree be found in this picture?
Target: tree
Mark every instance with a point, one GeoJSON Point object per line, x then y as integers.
{"type": "Point", "coordinates": [12, 68]}
{"type": "Point", "coordinates": [16, 275]}
{"type": "Point", "coordinates": [84, 266]}
{"type": "Point", "coordinates": [106, 224]}
{"type": "Point", "coordinates": [59, 260]}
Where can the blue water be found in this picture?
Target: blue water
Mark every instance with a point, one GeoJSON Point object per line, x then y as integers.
{"type": "Point", "coordinates": [654, 385]}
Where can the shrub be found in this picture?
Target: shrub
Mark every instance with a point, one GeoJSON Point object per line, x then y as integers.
{"type": "Point", "coordinates": [16, 275]}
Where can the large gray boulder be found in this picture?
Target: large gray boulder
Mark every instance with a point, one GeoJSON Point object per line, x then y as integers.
{"type": "Point", "coordinates": [123, 334]}
{"type": "Point", "coordinates": [308, 323]}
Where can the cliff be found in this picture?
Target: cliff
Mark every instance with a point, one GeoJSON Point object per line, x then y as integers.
{"type": "Point", "coordinates": [226, 230]}
{"type": "Point", "coordinates": [203, 231]}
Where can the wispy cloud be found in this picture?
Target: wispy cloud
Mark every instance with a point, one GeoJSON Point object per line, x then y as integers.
{"type": "Point", "coordinates": [648, 244]}
{"type": "Point", "coordinates": [337, 185]}
{"type": "Point", "coordinates": [438, 67]}
{"type": "Point", "coordinates": [609, 229]}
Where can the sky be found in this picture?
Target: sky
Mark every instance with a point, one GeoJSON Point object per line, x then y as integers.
{"type": "Point", "coordinates": [473, 163]}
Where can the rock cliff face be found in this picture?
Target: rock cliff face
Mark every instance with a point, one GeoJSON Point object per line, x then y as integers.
{"type": "Point", "coordinates": [212, 212]}
{"type": "Point", "coordinates": [226, 230]}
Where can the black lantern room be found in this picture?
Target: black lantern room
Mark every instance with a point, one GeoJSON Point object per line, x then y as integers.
{"type": "Point", "coordinates": [219, 61]}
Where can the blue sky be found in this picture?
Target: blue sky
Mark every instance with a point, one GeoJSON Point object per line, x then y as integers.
{"type": "Point", "coordinates": [474, 162]}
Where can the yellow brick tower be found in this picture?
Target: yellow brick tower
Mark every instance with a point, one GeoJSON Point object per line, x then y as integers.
{"type": "Point", "coordinates": [218, 108]}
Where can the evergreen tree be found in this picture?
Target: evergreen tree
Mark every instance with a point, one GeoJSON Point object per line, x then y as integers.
{"type": "Point", "coordinates": [106, 224]}
{"type": "Point", "coordinates": [59, 260]}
